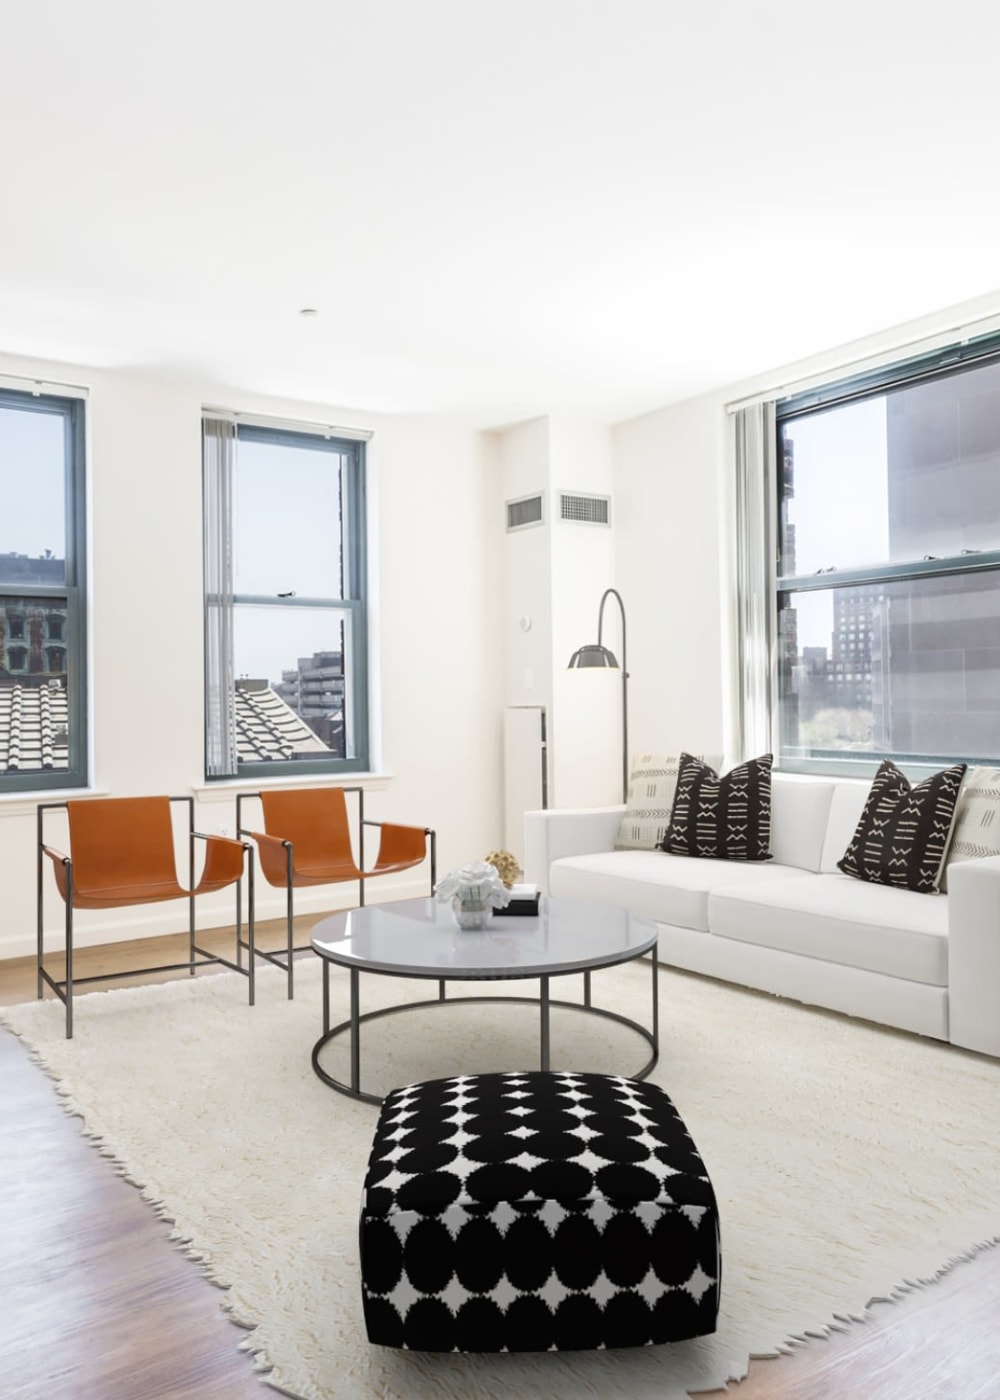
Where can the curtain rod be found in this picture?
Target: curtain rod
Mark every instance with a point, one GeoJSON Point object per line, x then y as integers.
{"type": "Point", "coordinates": [302, 425]}
{"type": "Point", "coordinates": [961, 332]}
{"type": "Point", "coordinates": [42, 386]}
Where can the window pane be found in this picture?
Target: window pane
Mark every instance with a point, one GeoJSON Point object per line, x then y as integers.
{"type": "Point", "coordinates": [893, 668]}
{"type": "Point", "coordinates": [289, 519]}
{"type": "Point", "coordinates": [291, 684]}
{"type": "Point", "coordinates": [33, 492]}
{"type": "Point", "coordinates": [34, 717]}
{"type": "Point", "coordinates": [909, 473]}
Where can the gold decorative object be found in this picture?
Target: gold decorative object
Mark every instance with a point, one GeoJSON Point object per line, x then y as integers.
{"type": "Point", "coordinates": [505, 864]}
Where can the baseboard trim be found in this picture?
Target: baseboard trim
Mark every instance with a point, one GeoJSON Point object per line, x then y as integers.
{"type": "Point", "coordinates": [92, 931]}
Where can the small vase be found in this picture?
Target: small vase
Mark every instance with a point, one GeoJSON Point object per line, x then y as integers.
{"type": "Point", "coordinates": [470, 916]}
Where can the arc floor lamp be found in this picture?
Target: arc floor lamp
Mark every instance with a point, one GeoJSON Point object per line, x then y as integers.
{"type": "Point", "coordinates": [599, 655]}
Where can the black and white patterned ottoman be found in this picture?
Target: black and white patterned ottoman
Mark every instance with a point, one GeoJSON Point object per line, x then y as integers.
{"type": "Point", "coordinates": [535, 1212]}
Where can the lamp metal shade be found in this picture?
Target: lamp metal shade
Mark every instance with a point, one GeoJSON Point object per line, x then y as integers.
{"type": "Point", "coordinates": [594, 655]}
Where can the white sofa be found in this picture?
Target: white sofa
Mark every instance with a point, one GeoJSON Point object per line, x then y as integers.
{"type": "Point", "coordinates": [795, 925]}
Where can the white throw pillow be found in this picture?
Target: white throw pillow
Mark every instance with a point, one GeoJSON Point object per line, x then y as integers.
{"type": "Point", "coordinates": [651, 788]}
{"type": "Point", "coordinates": [977, 822]}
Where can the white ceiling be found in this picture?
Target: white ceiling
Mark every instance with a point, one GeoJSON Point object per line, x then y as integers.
{"type": "Point", "coordinates": [499, 208]}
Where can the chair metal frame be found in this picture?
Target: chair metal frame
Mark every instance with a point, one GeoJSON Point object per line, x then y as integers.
{"type": "Point", "coordinates": [285, 957]}
{"type": "Point", "coordinates": [197, 957]}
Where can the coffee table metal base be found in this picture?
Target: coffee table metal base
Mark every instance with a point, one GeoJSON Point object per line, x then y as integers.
{"type": "Point", "coordinates": [544, 1001]}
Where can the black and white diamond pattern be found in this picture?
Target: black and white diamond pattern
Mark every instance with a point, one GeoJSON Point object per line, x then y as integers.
{"type": "Point", "coordinates": [902, 837]}
{"type": "Point", "coordinates": [535, 1212]}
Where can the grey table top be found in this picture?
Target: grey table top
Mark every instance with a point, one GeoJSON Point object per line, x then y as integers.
{"type": "Point", "coordinates": [419, 938]}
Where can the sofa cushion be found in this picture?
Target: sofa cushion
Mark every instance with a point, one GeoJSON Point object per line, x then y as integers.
{"type": "Point", "coordinates": [902, 837]}
{"type": "Point", "coordinates": [669, 889]}
{"type": "Point", "coordinates": [838, 919]}
{"type": "Point", "coordinates": [800, 808]}
{"type": "Point", "coordinates": [651, 787]}
{"type": "Point", "coordinates": [846, 806]}
{"type": "Point", "coordinates": [977, 819]}
{"type": "Point", "coordinates": [722, 818]}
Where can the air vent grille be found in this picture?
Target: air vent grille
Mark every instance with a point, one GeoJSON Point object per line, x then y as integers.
{"type": "Point", "coordinates": [523, 512]}
{"type": "Point", "coordinates": [585, 510]}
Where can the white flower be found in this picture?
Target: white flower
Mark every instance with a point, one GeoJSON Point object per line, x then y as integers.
{"type": "Point", "coordinates": [478, 883]}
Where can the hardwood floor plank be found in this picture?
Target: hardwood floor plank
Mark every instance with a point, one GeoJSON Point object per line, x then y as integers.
{"type": "Point", "coordinates": [96, 1303]}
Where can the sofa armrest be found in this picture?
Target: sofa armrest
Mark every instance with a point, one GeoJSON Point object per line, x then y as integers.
{"type": "Point", "coordinates": [566, 831]}
{"type": "Point", "coordinates": [974, 954]}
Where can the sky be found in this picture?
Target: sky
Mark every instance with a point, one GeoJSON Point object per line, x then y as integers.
{"type": "Point", "coordinates": [31, 483]}
{"type": "Point", "coordinates": [837, 454]}
{"type": "Point", "coordinates": [287, 538]}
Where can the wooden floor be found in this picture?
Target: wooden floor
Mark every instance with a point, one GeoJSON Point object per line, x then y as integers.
{"type": "Point", "coordinates": [96, 1304]}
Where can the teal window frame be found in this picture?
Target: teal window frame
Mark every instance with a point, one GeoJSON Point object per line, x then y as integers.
{"type": "Point", "coordinates": [354, 603]}
{"type": "Point", "coordinates": [72, 411]}
{"type": "Point", "coordinates": [937, 364]}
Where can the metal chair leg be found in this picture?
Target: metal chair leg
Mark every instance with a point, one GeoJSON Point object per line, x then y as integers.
{"type": "Point", "coordinates": [191, 938]}
{"type": "Point", "coordinates": [39, 912]}
{"type": "Point", "coordinates": [289, 917]}
{"type": "Point", "coordinates": [239, 923]}
{"type": "Point", "coordinates": [69, 954]}
{"type": "Point", "coordinates": [251, 963]}
{"type": "Point", "coordinates": [191, 963]}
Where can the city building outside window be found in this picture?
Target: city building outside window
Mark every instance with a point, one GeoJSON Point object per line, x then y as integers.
{"type": "Point", "coordinates": [285, 601]}
{"type": "Point", "coordinates": [888, 578]}
{"type": "Point", "coordinates": [43, 697]}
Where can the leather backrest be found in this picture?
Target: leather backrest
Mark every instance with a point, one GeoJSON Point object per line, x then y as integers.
{"type": "Point", "coordinates": [120, 842]}
{"type": "Point", "coordinates": [313, 819]}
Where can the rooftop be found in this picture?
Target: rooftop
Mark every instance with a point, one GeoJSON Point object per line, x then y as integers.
{"type": "Point", "coordinates": [34, 721]}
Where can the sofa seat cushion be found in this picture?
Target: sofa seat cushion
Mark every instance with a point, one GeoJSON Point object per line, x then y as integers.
{"type": "Point", "coordinates": [670, 889]}
{"type": "Point", "coordinates": [838, 919]}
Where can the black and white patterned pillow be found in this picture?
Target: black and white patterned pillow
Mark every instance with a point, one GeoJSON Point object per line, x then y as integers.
{"type": "Point", "coordinates": [902, 837]}
{"type": "Point", "coordinates": [725, 818]}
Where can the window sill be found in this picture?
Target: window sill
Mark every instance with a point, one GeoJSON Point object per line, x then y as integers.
{"type": "Point", "coordinates": [26, 804]}
{"type": "Point", "coordinates": [223, 789]}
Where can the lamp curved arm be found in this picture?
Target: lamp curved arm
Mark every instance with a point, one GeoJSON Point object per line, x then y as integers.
{"type": "Point", "coordinates": [609, 593]}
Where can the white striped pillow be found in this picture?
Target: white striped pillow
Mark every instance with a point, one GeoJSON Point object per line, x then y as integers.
{"type": "Point", "coordinates": [651, 788]}
{"type": "Point", "coordinates": [976, 832]}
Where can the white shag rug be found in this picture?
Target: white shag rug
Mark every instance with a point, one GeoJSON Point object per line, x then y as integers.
{"type": "Point", "coordinates": [850, 1162]}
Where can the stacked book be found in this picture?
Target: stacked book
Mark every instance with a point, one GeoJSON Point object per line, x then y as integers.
{"type": "Point", "coordinates": [523, 900]}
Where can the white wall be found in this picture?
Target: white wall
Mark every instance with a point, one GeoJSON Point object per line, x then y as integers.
{"type": "Point", "coordinates": [526, 588]}
{"type": "Point", "coordinates": [587, 716]}
{"type": "Point", "coordinates": [668, 491]}
{"type": "Point", "coordinates": [553, 576]}
{"type": "Point", "coordinates": [435, 567]}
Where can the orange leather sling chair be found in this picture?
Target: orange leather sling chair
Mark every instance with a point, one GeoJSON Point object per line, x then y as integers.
{"type": "Point", "coordinates": [307, 841]}
{"type": "Point", "coordinates": [122, 852]}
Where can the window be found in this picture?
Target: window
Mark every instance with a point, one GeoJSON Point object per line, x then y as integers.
{"type": "Point", "coordinates": [285, 613]}
{"type": "Point", "coordinates": [889, 534]}
{"type": "Point", "coordinates": [43, 714]}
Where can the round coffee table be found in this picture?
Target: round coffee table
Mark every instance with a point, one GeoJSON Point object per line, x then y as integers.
{"type": "Point", "coordinates": [419, 938]}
